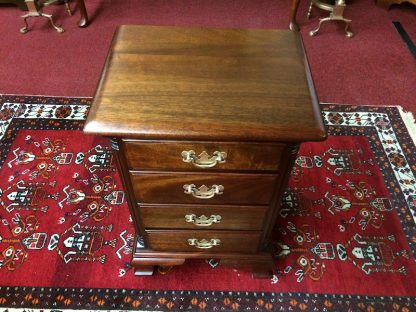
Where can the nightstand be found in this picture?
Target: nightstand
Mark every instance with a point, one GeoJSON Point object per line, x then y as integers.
{"type": "Point", "coordinates": [205, 124]}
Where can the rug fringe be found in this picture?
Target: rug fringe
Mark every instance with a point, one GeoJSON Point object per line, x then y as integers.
{"type": "Point", "coordinates": [409, 121]}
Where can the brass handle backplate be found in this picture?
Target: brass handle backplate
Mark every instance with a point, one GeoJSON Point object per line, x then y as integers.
{"type": "Point", "coordinates": [203, 192]}
{"type": "Point", "coordinates": [202, 220]}
{"type": "Point", "coordinates": [204, 160]}
{"type": "Point", "coordinates": [204, 243]}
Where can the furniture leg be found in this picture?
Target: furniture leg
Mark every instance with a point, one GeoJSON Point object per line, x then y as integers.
{"type": "Point", "coordinates": [48, 16]}
{"type": "Point", "coordinates": [25, 29]}
{"type": "Point", "coordinates": [336, 14]}
{"type": "Point", "coordinates": [36, 11]}
{"type": "Point", "coordinates": [309, 10]}
{"type": "Point", "coordinates": [83, 22]}
{"type": "Point", "coordinates": [348, 33]}
{"type": "Point", "coordinates": [321, 20]}
{"type": "Point", "coordinates": [68, 9]}
{"type": "Point", "coordinates": [292, 17]}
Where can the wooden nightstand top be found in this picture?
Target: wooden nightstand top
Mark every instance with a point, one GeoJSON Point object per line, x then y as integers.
{"type": "Point", "coordinates": [204, 84]}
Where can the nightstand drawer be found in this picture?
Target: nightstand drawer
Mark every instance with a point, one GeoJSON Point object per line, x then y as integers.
{"type": "Point", "coordinates": [202, 217]}
{"type": "Point", "coordinates": [177, 155]}
{"type": "Point", "coordinates": [204, 241]}
{"type": "Point", "coordinates": [219, 188]}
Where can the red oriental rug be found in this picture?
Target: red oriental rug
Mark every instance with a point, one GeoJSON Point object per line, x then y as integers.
{"type": "Point", "coordinates": [346, 234]}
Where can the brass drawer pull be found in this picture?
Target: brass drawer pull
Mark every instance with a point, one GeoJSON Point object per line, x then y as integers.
{"type": "Point", "coordinates": [202, 220]}
{"type": "Point", "coordinates": [204, 160]}
{"type": "Point", "coordinates": [203, 192]}
{"type": "Point", "coordinates": [204, 243]}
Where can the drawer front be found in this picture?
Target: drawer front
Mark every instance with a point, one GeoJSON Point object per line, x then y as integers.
{"type": "Point", "coordinates": [183, 188]}
{"type": "Point", "coordinates": [204, 241]}
{"type": "Point", "coordinates": [202, 217]}
{"type": "Point", "coordinates": [178, 155]}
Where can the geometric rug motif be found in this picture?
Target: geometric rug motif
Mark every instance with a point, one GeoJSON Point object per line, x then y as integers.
{"type": "Point", "coordinates": [346, 232]}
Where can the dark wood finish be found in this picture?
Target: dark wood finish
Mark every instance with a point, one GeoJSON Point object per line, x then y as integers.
{"type": "Point", "coordinates": [206, 84]}
{"type": "Point", "coordinates": [169, 89]}
{"type": "Point", "coordinates": [231, 241]}
{"type": "Point", "coordinates": [166, 155]}
{"type": "Point", "coordinates": [83, 21]}
{"type": "Point", "coordinates": [232, 217]}
{"type": "Point", "coordinates": [387, 3]}
{"type": "Point", "coordinates": [240, 189]}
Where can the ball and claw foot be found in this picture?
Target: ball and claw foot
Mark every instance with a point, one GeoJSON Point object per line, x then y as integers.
{"type": "Point", "coordinates": [24, 30]}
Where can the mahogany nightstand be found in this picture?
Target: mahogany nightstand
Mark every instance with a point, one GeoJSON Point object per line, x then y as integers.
{"type": "Point", "coordinates": [206, 124]}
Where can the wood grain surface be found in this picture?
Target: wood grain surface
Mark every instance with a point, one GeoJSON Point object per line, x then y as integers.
{"type": "Point", "coordinates": [232, 217]}
{"type": "Point", "coordinates": [167, 188]}
{"type": "Point", "coordinates": [231, 241]}
{"type": "Point", "coordinates": [204, 83]}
